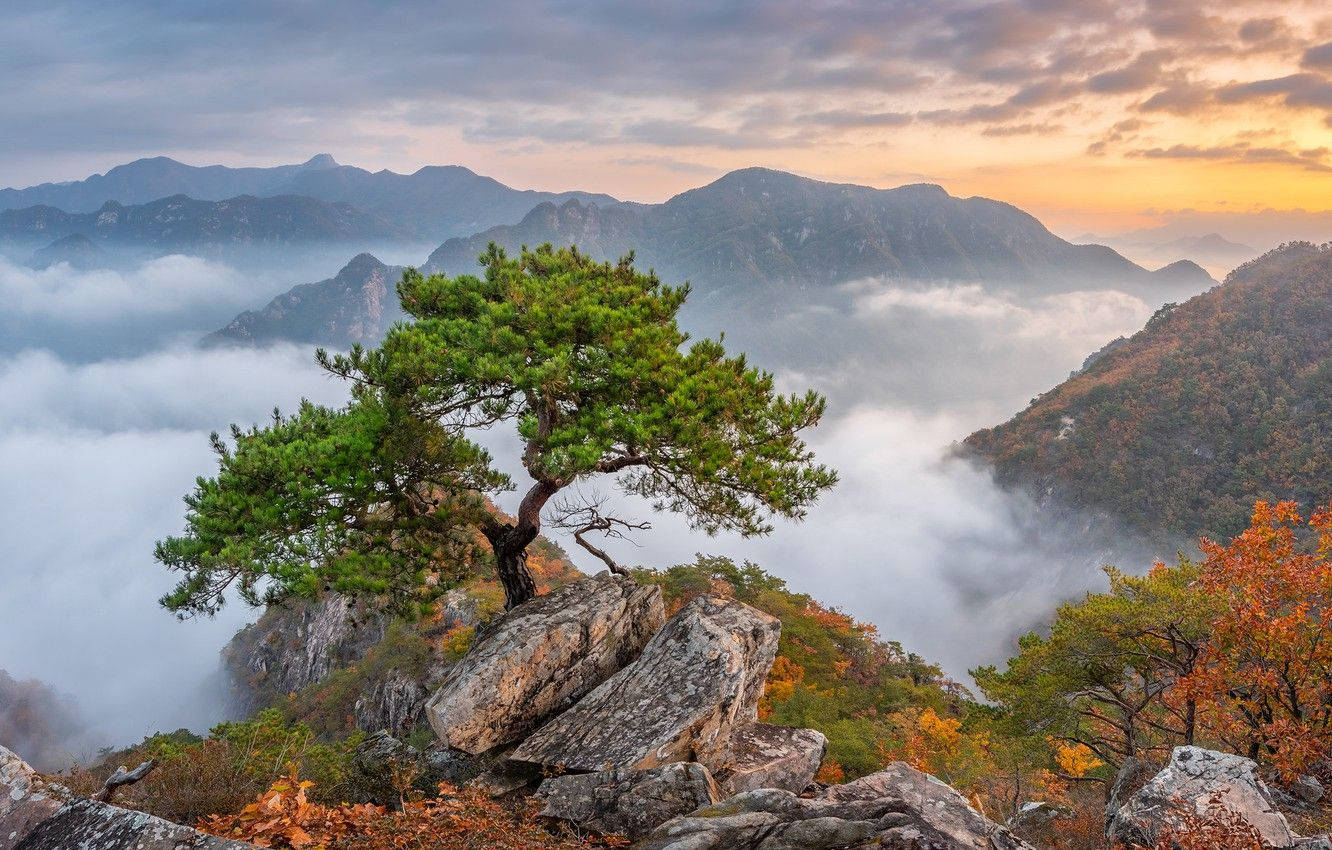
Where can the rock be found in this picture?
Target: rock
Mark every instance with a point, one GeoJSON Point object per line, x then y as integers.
{"type": "Point", "coordinates": [1209, 788]}
{"type": "Point", "coordinates": [540, 657]}
{"type": "Point", "coordinates": [765, 756]}
{"type": "Point", "coordinates": [937, 812]}
{"type": "Point", "coordinates": [505, 777]}
{"type": "Point", "coordinates": [1133, 774]}
{"type": "Point", "coordinates": [628, 802]}
{"type": "Point", "coordinates": [697, 680]}
{"type": "Point", "coordinates": [1307, 789]}
{"type": "Point", "coordinates": [395, 703]}
{"type": "Point", "coordinates": [899, 807]}
{"type": "Point", "coordinates": [37, 815]}
{"type": "Point", "coordinates": [1038, 823]}
{"type": "Point", "coordinates": [297, 644]}
{"type": "Point", "coordinates": [383, 764]}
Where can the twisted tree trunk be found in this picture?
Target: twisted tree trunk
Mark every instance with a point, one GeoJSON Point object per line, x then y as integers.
{"type": "Point", "coordinates": [510, 542]}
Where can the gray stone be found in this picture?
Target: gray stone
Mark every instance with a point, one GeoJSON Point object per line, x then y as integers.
{"type": "Point", "coordinates": [37, 815]}
{"type": "Point", "coordinates": [295, 645]}
{"type": "Point", "coordinates": [1206, 785]}
{"type": "Point", "coordinates": [766, 756]}
{"type": "Point", "coordinates": [1133, 774]}
{"type": "Point", "coordinates": [899, 807]}
{"type": "Point", "coordinates": [699, 678]}
{"type": "Point", "coordinates": [540, 657]}
{"type": "Point", "coordinates": [628, 802]}
{"type": "Point", "coordinates": [1307, 789]}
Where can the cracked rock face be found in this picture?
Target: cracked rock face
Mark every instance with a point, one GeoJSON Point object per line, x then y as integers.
{"type": "Point", "coordinates": [540, 657]}
{"type": "Point", "coordinates": [36, 815]}
{"type": "Point", "coordinates": [628, 802]}
{"type": "Point", "coordinates": [766, 756]}
{"type": "Point", "coordinates": [699, 678]}
{"type": "Point", "coordinates": [1207, 784]}
{"type": "Point", "coordinates": [899, 807]}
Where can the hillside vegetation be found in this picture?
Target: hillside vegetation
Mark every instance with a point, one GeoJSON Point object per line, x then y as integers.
{"type": "Point", "coordinates": [1216, 402]}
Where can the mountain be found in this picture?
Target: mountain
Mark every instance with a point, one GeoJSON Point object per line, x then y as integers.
{"type": "Point", "coordinates": [356, 305]}
{"type": "Point", "coordinates": [76, 249]}
{"type": "Point", "coordinates": [1213, 251]}
{"type": "Point", "coordinates": [1219, 401]}
{"type": "Point", "coordinates": [157, 177]}
{"type": "Point", "coordinates": [179, 222]}
{"type": "Point", "coordinates": [434, 202]}
{"type": "Point", "coordinates": [758, 227]}
{"type": "Point", "coordinates": [755, 234]}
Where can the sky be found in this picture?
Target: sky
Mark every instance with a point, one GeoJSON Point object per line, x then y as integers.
{"type": "Point", "coordinates": [1095, 115]}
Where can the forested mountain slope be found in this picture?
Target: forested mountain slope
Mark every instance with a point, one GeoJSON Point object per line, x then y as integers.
{"type": "Point", "coordinates": [1219, 401]}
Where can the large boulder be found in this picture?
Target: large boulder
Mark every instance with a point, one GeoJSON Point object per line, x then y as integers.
{"type": "Point", "coordinates": [540, 657]}
{"type": "Point", "coordinates": [37, 815]}
{"type": "Point", "coordinates": [628, 802]}
{"type": "Point", "coordinates": [1133, 774]}
{"type": "Point", "coordinates": [766, 756]}
{"type": "Point", "coordinates": [1202, 791]}
{"type": "Point", "coordinates": [899, 807]}
{"type": "Point", "coordinates": [698, 679]}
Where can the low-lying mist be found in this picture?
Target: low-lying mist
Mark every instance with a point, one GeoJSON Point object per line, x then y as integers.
{"type": "Point", "coordinates": [96, 458]}
{"type": "Point", "coordinates": [97, 453]}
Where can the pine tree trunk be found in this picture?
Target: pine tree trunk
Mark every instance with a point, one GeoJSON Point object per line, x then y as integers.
{"type": "Point", "coordinates": [509, 543]}
{"type": "Point", "coordinates": [511, 565]}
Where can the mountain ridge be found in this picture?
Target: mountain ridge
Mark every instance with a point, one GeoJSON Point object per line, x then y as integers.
{"type": "Point", "coordinates": [1215, 402]}
{"type": "Point", "coordinates": [755, 233]}
{"type": "Point", "coordinates": [179, 221]}
{"type": "Point", "coordinates": [431, 203]}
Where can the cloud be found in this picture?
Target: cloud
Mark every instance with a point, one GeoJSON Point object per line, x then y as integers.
{"type": "Point", "coordinates": [1304, 90]}
{"type": "Point", "coordinates": [924, 546]}
{"type": "Point", "coordinates": [96, 459]}
{"type": "Point", "coordinates": [254, 81]}
{"type": "Point", "coordinates": [163, 285]}
{"type": "Point", "coordinates": [1145, 70]}
{"type": "Point", "coordinates": [1310, 159]}
{"type": "Point", "coordinates": [1319, 56]}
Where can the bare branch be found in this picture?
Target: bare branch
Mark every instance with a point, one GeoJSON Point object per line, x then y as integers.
{"type": "Point", "coordinates": [123, 777]}
{"type": "Point", "coordinates": [583, 515]}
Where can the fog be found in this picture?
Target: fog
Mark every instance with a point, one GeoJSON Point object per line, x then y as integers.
{"type": "Point", "coordinates": [142, 303]}
{"type": "Point", "coordinates": [96, 458]}
{"type": "Point", "coordinates": [97, 451]}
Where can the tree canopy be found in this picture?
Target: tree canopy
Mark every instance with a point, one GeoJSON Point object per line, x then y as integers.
{"type": "Point", "coordinates": [588, 364]}
{"type": "Point", "coordinates": [1231, 652]}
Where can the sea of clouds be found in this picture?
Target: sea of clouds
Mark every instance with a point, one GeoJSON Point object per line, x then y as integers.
{"type": "Point", "coordinates": [97, 452]}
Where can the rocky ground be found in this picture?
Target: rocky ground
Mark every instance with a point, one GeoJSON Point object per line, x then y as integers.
{"type": "Point", "coordinates": [619, 720]}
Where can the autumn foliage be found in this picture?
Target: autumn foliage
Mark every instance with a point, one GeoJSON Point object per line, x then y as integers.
{"type": "Point", "coordinates": [1231, 653]}
{"type": "Point", "coordinates": [457, 819]}
{"type": "Point", "coordinates": [1264, 681]}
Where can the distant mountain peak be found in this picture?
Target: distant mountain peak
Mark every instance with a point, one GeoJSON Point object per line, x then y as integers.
{"type": "Point", "coordinates": [361, 263]}
{"type": "Point", "coordinates": [320, 160]}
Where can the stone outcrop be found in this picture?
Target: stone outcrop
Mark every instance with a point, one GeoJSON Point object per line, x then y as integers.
{"type": "Point", "coordinates": [628, 802]}
{"type": "Point", "coordinates": [899, 807]}
{"type": "Point", "coordinates": [1133, 774]}
{"type": "Point", "coordinates": [766, 756]}
{"type": "Point", "coordinates": [1208, 788]}
{"type": "Point", "coordinates": [695, 681]}
{"type": "Point", "coordinates": [540, 657]}
{"type": "Point", "coordinates": [394, 703]}
{"type": "Point", "coordinates": [37, 815]}
{"type": "Point", "coordinates": [296, 645]}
